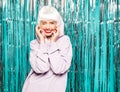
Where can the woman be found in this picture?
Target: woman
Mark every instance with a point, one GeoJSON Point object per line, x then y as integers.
{"type": "Point", "coordinates": [50, 54]}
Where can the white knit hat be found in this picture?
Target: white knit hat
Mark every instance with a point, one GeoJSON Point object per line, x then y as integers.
{"type": "Point", "coordinates": [50, 13]}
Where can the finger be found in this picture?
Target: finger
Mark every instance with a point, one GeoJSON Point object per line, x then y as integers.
{"type": "Point", "coordinates": [53, 33]}
{"type": "Point", "coordinates": [37, 27]}
{"type": "Point", "coordinates": [43, 34]}
{"type": "Point", "coordinates": [58, 31]}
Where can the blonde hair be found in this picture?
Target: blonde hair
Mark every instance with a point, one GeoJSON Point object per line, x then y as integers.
{"type": "Point", "coordinates": [50, 13]}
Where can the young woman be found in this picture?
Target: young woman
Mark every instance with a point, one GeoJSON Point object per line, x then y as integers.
{"type": "Point", "coordinates": [50, 54]}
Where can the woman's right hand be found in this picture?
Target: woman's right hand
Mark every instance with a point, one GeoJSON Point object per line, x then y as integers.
{"type": "Point", "coordinates": [40, 34]}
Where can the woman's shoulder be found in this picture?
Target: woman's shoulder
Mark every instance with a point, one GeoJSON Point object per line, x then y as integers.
{"type": "Point", "coordinates": [34, 43]}
{"type": "Point", "coordinates": [64, 37]}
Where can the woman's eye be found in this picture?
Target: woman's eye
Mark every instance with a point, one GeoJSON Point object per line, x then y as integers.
{"type": "Point", "coordinates": [43, 23]}
{"type": "Point", "coordinates": [52, 23]}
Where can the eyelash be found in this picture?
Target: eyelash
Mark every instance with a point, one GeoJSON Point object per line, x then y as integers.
{"type": "Point", "coordinates": [43, 23]}
{"type": "Point", "coordinates": [52, 23]}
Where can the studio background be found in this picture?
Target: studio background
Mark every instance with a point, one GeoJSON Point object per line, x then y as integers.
{"type": "Point", "coordinates": [93, 27]}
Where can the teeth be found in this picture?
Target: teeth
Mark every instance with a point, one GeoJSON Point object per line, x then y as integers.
{"type": "Point", "coordinates": [48, 31]}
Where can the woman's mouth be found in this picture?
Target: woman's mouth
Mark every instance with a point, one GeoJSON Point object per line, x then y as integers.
{"type": "Point", "coordinates": [48, 31]}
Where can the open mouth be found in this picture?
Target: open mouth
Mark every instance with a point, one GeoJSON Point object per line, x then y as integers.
{"type": "Point", "coordinates": [48, 31]}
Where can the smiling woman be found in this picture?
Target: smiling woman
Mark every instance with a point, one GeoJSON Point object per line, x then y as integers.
{"type": "Point", "coordinates": [93, 27]}
{"type": "Point", "coordinates": [48, 27]}
{"type": "Point", "coordinates": [50, 54]}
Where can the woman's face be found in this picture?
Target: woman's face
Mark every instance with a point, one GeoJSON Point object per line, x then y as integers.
{"type": "Point", "coordinates": [48, 27]}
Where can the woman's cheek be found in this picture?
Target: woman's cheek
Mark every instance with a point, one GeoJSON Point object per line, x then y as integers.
{"type": "Point", "coordinates": [55, 28]}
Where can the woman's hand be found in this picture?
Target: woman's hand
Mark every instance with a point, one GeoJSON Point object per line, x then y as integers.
{"type": "Point", "coordinates": [40, 34]}
{"type": "Point", "coordinates": [55, 35]}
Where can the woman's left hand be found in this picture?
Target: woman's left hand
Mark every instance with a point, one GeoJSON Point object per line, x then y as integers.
{"type": "Point", "coordinates": [55, 35]}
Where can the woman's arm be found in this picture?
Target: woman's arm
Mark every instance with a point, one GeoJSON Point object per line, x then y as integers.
{"type": "Point", "coordinates": [39, 57]}
{"type": "Point", "coordinates": [60, 58]}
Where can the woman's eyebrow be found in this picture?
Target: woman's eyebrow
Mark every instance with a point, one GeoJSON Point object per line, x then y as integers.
{"type": "Point", "coordinates": [53, 21]}
{"type": "Point", "coordinates": [42, 21]}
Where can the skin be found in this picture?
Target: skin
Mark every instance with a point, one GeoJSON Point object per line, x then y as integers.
{"type": "Point", "coordinates": [47, 29]}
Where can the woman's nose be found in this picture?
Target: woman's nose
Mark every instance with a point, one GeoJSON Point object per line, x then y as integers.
{"type": "Point", "coordinates": [48, 26]}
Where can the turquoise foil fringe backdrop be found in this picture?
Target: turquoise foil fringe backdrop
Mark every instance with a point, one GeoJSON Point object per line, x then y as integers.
{"type": "Point", "coordinates": [93, 27]}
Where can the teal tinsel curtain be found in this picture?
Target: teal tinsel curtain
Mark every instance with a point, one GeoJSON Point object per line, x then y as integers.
{"type": "Point", "coordinates": [93, 27]}
{"type": "Point", "coordinates": [0, 46]}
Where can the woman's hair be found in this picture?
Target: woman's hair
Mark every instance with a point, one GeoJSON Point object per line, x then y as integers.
{"type": "Point", "coordinates": [48, 13]}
